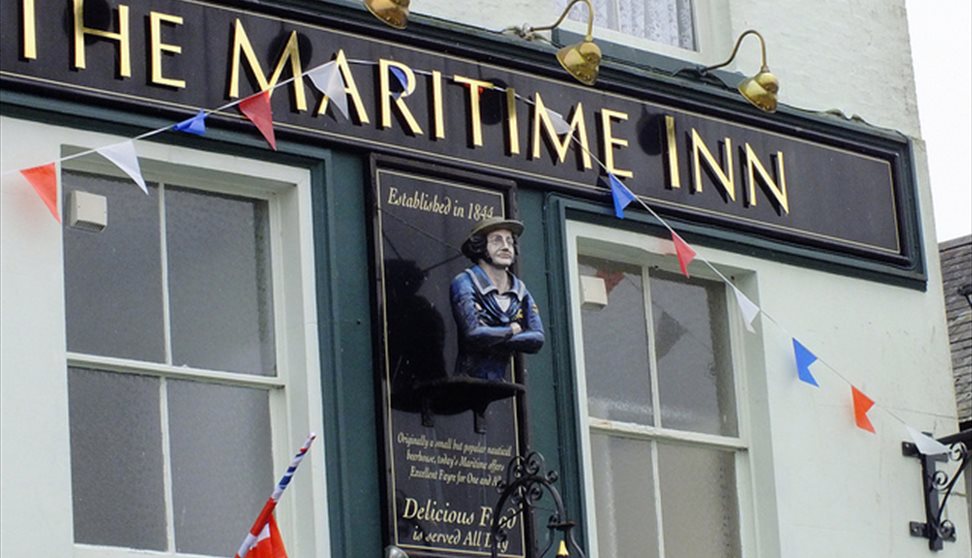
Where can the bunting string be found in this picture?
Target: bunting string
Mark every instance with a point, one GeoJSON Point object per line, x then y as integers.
{"type": "Point", "coordinates": [861, 402]}
{"type": "Point", "coordinates": [328, 79]}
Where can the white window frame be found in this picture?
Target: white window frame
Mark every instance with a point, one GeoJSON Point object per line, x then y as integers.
{"type": "Point", "coordinates": [649, 252]}
{"type": "Point", "coordinates": [294, 393]}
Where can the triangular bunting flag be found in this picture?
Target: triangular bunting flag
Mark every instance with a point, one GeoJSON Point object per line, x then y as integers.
{"type": "Point", "coordinates": [195, 125]}
{"type": "Point", "coordinates": [124, 156]}
{"type": "Point", "coordinates": [269, 543]}
{"type": "Point", "coordinates": [257, 109]}
{"type": "Point", "coordinates": [44, 181]}
{"type": "Point", "coordinates": [804, 358]}
{"type": "Point", "coordinates": [621, 195]}
{"type": "Point", "coordinates": [327, 79]}
{"type": "Point", "coordinates": [862, 404]}
{"type": "Point", "coordinates": [748, 309]}
{"type": "Point", "coordinates": [926, 444]}
{"type": "Point", "coordinates": [684, 252]}
{"type": "Point", "coordinates": [560, 124]}
{"type": "Point", "coordinates": [402, 80]}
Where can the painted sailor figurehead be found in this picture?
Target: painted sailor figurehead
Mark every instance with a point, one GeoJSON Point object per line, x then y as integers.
{"type": "Point", "coordinates": [493, 241]}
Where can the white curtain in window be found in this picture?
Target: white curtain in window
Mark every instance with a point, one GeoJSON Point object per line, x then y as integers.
{"type": "Point", "coordinates": [670, 22]}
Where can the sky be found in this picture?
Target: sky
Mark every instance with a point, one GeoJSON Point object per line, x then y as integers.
{"type": "Point", "coordinates": [941, 51]}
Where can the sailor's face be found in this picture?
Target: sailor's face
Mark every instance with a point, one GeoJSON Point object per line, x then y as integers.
{"type": "Point", "coordinates": [501, 248]}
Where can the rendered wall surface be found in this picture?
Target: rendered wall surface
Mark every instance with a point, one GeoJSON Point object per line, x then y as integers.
{"type": "Point", "coordinates": [839, 491]}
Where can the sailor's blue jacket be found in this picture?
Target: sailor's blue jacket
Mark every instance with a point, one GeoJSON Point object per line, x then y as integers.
{"type": "Point", "coordinates": [486, 340]}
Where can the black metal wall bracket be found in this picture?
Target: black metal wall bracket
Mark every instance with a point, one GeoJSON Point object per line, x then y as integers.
{"type": "Point", "coordinates": [526, 480]}
{"type": "Point", "coordinates": [935, 482]}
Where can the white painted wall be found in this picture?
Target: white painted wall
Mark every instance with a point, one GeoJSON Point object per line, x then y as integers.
{"type": "Point", "coordinates": [829, 54]}
{"type": "Point", "coordinates": [36, 469]}
{"type": "Point", "coordinates": [840, 491]}
{"type": "Point", "coordinates": [35, 484]}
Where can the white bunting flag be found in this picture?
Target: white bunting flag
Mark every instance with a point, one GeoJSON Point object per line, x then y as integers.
{"type": "Point", "coordinates": [560, 125]}
{"type": "Point", "coordinates": [327, 78]}
{"type": "Point", "coordinates": [748, 309]}
{"type": "Point", "coordinates": [124, 157]}
{"type": "Point", "coordinates": [926, 444]}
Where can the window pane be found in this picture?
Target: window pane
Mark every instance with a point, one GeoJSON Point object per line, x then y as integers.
{"type": "Point", "coordinates": [116, 459]}
{"type": "Point", "coordinates": [220, 292]}
{"type": "Point", "coordinates": [222, 472]}
{"type": "Point", "coordinates": [666, 21]}
{"type": "Point", "coordinates": [616, 345]}
{"type": "Point", "coordinates": [699, 507]}
{"type": "Point", "coordinates": [624, 497]}
{"type": "Point", "coordinates": [671, 22]}
{"type": "Point", "coordinates": [695, 384]}
{"type": "Point", "coordinates": [113, 278]}
{"type": "Point", "coordinates": [633, 21]}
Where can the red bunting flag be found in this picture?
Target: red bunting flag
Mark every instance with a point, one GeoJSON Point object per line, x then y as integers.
{"type": "Point", "coordinates": [862, 404]}
{"type": "Point", "coordinates": [684, 252]}
{"type": "Point", "coordinates": [257, 109]}
{"type": "Point", "coordinates": [264, 527]}
{"type": "Point", "coordinates": [44, 181]}
{"type": "Point", "coordinates": [269, 543]}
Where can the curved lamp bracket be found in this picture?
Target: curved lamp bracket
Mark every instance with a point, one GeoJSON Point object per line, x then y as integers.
{"type": "Point", "coordinates": [526, 480]}
{"type": "Point", "coordinates": [934, 483]}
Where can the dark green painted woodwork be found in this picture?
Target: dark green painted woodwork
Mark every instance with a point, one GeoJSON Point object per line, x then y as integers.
{"type": "Point", "coordinates": [347, 370]}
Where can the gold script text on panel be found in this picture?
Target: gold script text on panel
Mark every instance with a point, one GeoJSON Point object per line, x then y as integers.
{"type": "Point", "coordinates": [350, 88]}
{"type": "Point", "coordinates": [291, 52]}
{"type": "Point", "coordinates": [727, 181]}
{"type": "Point", "coordinates": [122, 37]}
{"type": "Point", "coordinates": [778, 191]}
{"type": "Point", "coordinates": [387, 96]}
{"type": "Point", "coordinates": [476, 87]}
{"type": "Point", "coordinates": [576, 125]}
{"type": "Point", "coordinates": [610, 141]}
{"type": "Point", "coordinates": [157, 47]}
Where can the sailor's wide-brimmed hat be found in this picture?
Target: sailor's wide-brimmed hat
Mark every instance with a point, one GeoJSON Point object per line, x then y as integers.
{"type": "Point", "coordinates": [490, 224]}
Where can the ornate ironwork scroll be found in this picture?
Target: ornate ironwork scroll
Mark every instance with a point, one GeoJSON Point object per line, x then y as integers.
{"type": "Point", "coordinates": [936, 483]}
{"type": "Point", "coordinates": [525, 481]}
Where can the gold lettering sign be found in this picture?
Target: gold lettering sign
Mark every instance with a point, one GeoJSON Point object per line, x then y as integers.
{"type": "Point", "coordinates": [777, 190]}
{"type": "Point", "coordinates": [291, 52]}
{"type": "Point", "coordinates": [609, 141]}
{"type": "Point", "coordinates": [387, 95]}
{"type": "Point", "coordinates": [725, 177]}
{"type": "Point", "coordinates": [122, 37]}
{"type": "Point", "coordinates": [350, 88]}
{"type": "Point", "coordinates": [512, 130]}
{"type": "Point", "coordinates": [674, 179]}
{"type": "Point", "coordinates": [438, 118]}
{"type": "Point", "coordinates": [28, 30]}
{"type": "Point", "coordinates": [577, 127]}
{"type": "Point", "coordinates": [476, 87]}
{"type": "Point", "coordinates": [157, 47]}
{"type": "Point", "coordinates": [166, 58]}
{"type": "Point", "coordinates": [161, 44]}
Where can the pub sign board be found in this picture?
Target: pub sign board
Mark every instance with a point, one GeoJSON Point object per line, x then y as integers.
{"type": "Point", "coordinates": [833, 193]}
{"type": "Point", "coordinates": [441, 473]}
